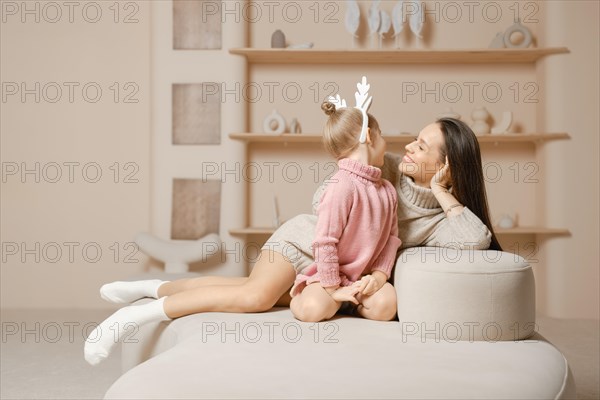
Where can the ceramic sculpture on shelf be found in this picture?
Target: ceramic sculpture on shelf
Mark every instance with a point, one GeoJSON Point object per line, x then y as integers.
{"type": "Point", "coordinates": [352, 19]}
{"type": "Point", "coordinates": [416, 21]}
{"type": "Point", "coordinates": [506, 222]}
{"type": "Point", "coordinates": [274, 123]}
{"type": "Point", "coordinates": [514, 28]}
{"type": "Point", "coordinates": [276, 220]}
{"type": "Point", "coordinates": [178, 254]}
{"type": "Point", "coordinates": [295, 126]}
{"type": "Point", "coordinates": [480, 116]}
{"type": "Point", "coordinates": [504, 124]}
{"type": "Point", "coordinates": [398, 20]}
{"type": "Point", "coordinates": [498, 42]}
{"type": "Point", "coordinates": [278, 40]}
{"type": "Point", "coordinates": [384, 27]}
{"type": "Point", "coordinates": [504, 39]}
{"type": "Point", "coordinates": [374, 19]}
{"type": "Point", "coordinates": [308, 45]}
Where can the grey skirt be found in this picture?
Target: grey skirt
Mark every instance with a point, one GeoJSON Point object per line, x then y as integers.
{"type": "Point", "coordinates": [294, 241]}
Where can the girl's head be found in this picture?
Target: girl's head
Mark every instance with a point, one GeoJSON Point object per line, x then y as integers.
{"type": "Point", "coordinates": [451, 138]}
{"type": "Point", "coordinates": [342, 132]}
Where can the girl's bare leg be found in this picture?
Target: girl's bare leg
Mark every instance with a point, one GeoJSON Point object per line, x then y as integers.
{"type": "Point", "coordinates": [314, 304]}
{"type": "Point", "coordinates": [380, 306]}
{"type": "Point", "coordinates": [271, 277]}
{"type": "Point", "coordinates": [181, 285]}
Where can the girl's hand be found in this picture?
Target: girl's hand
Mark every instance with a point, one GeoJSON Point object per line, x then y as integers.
{"type": "Point", "coordinates": [442, 180]}
{"type": "Point", "coordinates": [369, 284]}
{"type": "Point", "coordinates": [331, 289]}
{"type": "Point", "coordinates": [345, 293]}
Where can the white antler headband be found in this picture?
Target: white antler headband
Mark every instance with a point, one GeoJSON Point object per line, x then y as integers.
{"type": "Point", "coordinates": [363, 102]}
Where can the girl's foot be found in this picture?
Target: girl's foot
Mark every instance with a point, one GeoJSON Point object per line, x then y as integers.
{"type": "Point", "coordinates": [126, 292]}
{"type": "Point", "coordinates": [105, 336]}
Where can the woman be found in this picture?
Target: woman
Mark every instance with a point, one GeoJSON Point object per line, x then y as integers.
{"type": "Point", "coordinates": [441, 202]}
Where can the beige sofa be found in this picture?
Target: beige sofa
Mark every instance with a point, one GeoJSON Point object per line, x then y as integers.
{"type": "Point", "coordinates": [465, 330]}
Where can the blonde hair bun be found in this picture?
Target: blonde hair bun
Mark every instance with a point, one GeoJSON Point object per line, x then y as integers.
{"type": "Point", "coordinates": [328, 108]}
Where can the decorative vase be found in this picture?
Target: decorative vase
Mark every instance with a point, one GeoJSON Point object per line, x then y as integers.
{"type": "Point", "coordinates": [480, 116]}
{"type": "Point", "coordinates": [278, 40]}
{"type": "Point", "coordinates": [274, 123]}
{"type": "Point", "coordinates": [506, 222]}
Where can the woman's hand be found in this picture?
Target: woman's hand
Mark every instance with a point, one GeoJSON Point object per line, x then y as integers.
{"type": "Point", "coordinates": [442, 180]}
{"type": "Point", "coordinates": [369, 284]}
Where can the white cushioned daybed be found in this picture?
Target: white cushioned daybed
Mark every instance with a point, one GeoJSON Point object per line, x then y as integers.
{"type": "Point", "coordinates": [465, 330]}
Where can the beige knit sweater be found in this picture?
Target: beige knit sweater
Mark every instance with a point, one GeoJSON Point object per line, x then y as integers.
{"type": "Point", "coordinates": [421, 220]}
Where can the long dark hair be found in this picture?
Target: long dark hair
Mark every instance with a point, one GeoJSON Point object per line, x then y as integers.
{"type": "Point", "coordinates": [468, 186]}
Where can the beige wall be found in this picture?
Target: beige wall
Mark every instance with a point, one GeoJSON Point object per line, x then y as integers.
{"type": "Point", "coordinates": [105, 132]}
{"type": "Point", "coordinates": [571, 267]}
{"type": "Point", "coordinates": [74, 215]}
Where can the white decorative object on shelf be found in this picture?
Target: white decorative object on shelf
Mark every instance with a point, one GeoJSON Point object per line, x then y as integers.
{"type": "Point", "coordinates": [517, 27]}
{"type": "Point", "coordinates": [295, 126]}
{"type": "Point", "coordinates": [417, 20]}
{"type": "Point", "coordinates": [374, 19]}
{"type": "Point", "coordinates": [278, 40]}
{"type": "Point", "coordinates": [352, 19]}
{"type": "Point", "coordinates": [449, 113]}
{"type": "Point", "coordinates": [480, 116]}
{"type": "Point", "coordinates": [386, 24]}
{"type": "Point", "coordinates": [308, 45]}
{"type": "Point", "coordinates": [504, 124]}
{"type": "Point", "coordinates": [498, 42]}
{"type": "Point", "coordinates": [504, 39]}
{"type": "Point", "coordinates": [274, 123]}
{"type": "Point", "coordinates": [276, 220]}
{"type": "Point", "coordinates": [506, 222]}
{"type": "Point", "coordinates": [398, 20]}
{"type": "Point", "coordinates": [178, 254]}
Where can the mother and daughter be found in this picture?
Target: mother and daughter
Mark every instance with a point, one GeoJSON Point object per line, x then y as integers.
{"type": "Point", "coordinates": [377, 203]}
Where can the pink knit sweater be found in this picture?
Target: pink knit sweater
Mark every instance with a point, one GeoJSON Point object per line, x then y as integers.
{"type": "Point", "coordinates": [357, 228]}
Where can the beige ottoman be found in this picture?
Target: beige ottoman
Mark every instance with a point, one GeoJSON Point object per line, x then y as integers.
{"type": "Point", "coordinates": [447, 294]}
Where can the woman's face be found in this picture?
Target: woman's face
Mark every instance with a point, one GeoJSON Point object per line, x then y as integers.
{"type": "Point", "coordinates": [422, 158]}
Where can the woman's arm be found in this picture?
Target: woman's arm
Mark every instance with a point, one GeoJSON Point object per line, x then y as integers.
{"type": "Point", "coordinates": [461, 227]}
{"type": "Point", "coordinates": [463, 230]}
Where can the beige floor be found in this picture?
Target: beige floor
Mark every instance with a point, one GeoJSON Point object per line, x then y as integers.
{"type": "Point", "coordinates": [42, 354]}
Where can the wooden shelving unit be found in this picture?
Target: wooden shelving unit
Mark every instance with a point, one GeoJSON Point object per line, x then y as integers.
{"type": "Point", "coordinates": [458, 56]}
{"type": "Point", "coordinates": [400, 57]}
{"type": "Point", "coordinates": [316, 138]}
{"type": "Point", "coordinates": [525, 230]}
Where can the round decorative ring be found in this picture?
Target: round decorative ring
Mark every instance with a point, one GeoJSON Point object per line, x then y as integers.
{"type": "Point", "coordinates": [274, 117]}
{"type": "Point", "coordinates": [517, 27]}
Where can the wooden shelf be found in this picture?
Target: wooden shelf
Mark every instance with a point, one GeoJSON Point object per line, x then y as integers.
{"type": "Point", "coordinates": [321, 56]}
{"type": "Point", "coordinates": [251, 231]}
{"type": "Point", "coordinates": [522, 230]}
{"type": "Point", "coordinates": [531, 230]}
{"type": "Point", "coordinates": [316, 138]}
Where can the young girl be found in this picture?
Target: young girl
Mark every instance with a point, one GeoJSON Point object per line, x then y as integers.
{"type": "Point", "coordinates": [357, 230]}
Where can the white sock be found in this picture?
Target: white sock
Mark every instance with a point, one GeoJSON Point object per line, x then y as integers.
{"type": "Point", "coordinates": [105, 336]}
{"type": "Point", "coordinates": [126, 292]}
